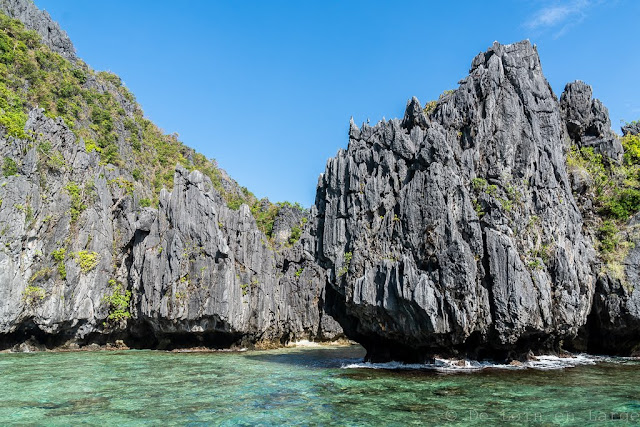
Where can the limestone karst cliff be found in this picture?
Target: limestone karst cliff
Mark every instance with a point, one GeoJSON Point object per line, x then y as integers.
{"type": "Point", "coordinates": [495, 221]}
{"type": "Point", "coordinates": [94, 249]}
{"type": "Point", "coordinates": [193, 270]}
{"type": "Point", "coordinates": [456, 231]}
{"type": "Point", "coordinates": [462, 230]}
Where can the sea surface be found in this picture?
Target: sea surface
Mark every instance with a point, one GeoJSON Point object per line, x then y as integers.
{"type": "Point", "coordinates": [310, 386]}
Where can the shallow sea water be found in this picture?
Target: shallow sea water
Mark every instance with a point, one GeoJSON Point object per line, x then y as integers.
{"type": "Point", "coordinates": [308, 386]}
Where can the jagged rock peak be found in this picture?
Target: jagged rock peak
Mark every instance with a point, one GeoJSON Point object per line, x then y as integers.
{"type": "Point", "coordinates": [587, 121]}
{"type": "Point", "coordinates": [520, 54]}
{"type": "Point", "coordinates": [631, 128]}
{"type": "Point", "coordinates": [40, 21]}
{"type": "Point", "coordinates": [463, 236]}
{"type": "Point", "coordinates": [354, 130]}
{"type": "Point", "coordinates": [414, 115]}
{"type": "Point", "coordinates": [576, 104]}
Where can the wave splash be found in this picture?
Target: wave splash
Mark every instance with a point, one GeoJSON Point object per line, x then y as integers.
{"type": "Point", "coordinates": [543, 363]}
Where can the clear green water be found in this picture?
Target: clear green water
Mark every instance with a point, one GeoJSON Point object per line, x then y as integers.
{"type": "Point", "coordinates": [302, 386]}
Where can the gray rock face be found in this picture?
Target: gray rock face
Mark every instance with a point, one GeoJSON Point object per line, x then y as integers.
{"type": "Point", "coordinates": [203, 268]}
{"type": "Point", "coordinates": [613, 326]}
{"type": "Point", "coordinates": [587, 121]}
{"type": "Point", "coordinates": [287, 221]}
{"type": "Point", "coordinates": [81, 263]}
{"type": "Point", "coordinates": [614, 322]}
{"type": "Point", "coordinates": [631, 128]}
{"type": "Point", "coordinates": [36, 222]}
{"type": "Point", "coordinates": [40, 22]}
{"type": "Point", "coordinates": [458, 232]}
{"type": "Point", "coordinates": [452, 233]}
{"type": "Point", "coordinates": [199, 273]}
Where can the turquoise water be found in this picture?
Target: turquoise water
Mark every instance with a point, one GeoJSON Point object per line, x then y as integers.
{"type": "Point", "coordinates": [308, 386]}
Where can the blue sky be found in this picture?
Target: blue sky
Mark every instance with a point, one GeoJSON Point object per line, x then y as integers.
{"type": "Point", "coordinates": [267, 88]}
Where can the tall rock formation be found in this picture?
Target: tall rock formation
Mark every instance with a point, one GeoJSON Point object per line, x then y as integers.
{"type": "Point", "coordinates": [613, 326]}
{"type": "Point", "coordinates": [587, 121]}
{"type": "Point", "coordinates": [457, 232]}
{"type": "Point", "coordinates": [85, 259]}
{"type": "Point", "coordinates": [199, 272]}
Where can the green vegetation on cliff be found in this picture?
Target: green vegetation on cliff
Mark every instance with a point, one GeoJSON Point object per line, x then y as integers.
{"type": "Point", "coordinates": [33, 294]}
{"type": "Point", "coordinates": [117, 302]}
{"type": "Point", "coordinates": [104, 115]}
{"type": "Point", "coordinates": [614, 191]}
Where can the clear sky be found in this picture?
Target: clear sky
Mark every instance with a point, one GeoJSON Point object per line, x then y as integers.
{"type": "Point", "coordinates": [267, 87]}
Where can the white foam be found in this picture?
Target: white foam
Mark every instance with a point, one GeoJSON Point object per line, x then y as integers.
{"type": "Point", "coordinates": [556, 362]}
{"type": "Point", "coordinates": [463, 365]}
{"type": "Point", "coordinates": [304, 343]}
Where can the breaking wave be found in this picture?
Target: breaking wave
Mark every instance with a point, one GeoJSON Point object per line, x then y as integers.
{"type": "Point", "coordinates": [543, 363]}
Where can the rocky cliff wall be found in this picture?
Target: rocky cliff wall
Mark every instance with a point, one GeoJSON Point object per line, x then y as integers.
{"type": "Point", "coordinates": [74, 240]}
{"type": "Point", "coordinates": [471, 227]}
{"type": "Point", "coordinates": [614, 321]}
{"type": "Point", "coordinates": [457, 231]}
{"type": "Point", "coordinates": [85, 259]}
